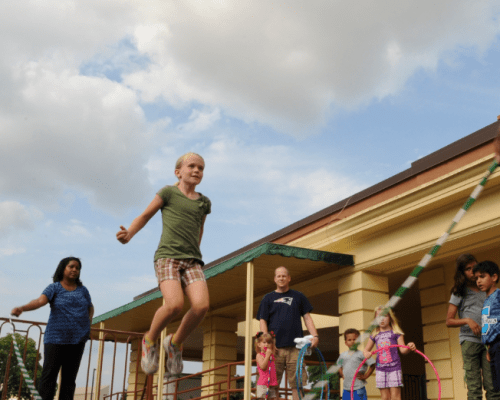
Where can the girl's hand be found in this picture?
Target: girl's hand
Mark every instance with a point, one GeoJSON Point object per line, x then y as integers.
{"type": "Point", "coordinates": [367, 354]}
{"type": "Point", "coordinates": [412, 346]}
{"type": "Point", "coordinates": [474, 326]}
{"type": "Point", "coordinates": [123, 235]}
{"type": "Point", "coordinates": [17, 311]}
{"type": "Point", "coordinates": [269, 352]}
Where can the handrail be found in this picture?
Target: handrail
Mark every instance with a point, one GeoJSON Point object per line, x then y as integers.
{"type": "Point", "coordinates": [126, 340]}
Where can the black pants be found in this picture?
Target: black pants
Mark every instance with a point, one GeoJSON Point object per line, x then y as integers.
{"type": "Point", "coordinates": [64, 357]}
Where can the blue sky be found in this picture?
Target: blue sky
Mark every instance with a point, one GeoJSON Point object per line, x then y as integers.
{"type": "Point", "coordinates": [294, 107]}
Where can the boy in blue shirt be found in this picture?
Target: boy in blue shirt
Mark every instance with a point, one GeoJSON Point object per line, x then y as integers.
{"type": "Point", "coordinates": [487, 273]}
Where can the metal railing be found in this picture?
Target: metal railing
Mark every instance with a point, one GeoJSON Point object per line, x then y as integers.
{"type": "Point", "coordinates": [414, 388]}
{"type": "Point", "coordinates": [32, 326]}
{"type": "Point", "coordinates": [135, 385]}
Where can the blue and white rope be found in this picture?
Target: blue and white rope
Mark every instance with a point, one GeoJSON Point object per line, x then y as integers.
{"type": "Point", "coordinates": [299, 371]}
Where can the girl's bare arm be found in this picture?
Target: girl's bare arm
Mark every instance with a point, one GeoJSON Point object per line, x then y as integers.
{"type": "Point", "coordinates": [411, 345]}
{"type": "Point", "coordinates": [453, 322]}
{"type": "Point", "coordinates": [263, 361]}
{"type": "Point", "coordinates": [125, 235]}
{"type": "Point", "coordinates": [368, 349]}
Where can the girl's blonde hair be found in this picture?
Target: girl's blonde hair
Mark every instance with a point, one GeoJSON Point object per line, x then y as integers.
{"type": "Point", "coordinates": [393, 321]}
{"type": "Point", "coordinates": [181, 159]}
{"type": "Point", "coordinates": [264, 337]}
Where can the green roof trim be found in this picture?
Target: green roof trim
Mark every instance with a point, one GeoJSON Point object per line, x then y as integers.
{"type": "Point", "coordinates": [126, 307]}
{"type": "Point", "coordinates": [247, 256]}
{"type": "Point", "coordinates": [282, 250]}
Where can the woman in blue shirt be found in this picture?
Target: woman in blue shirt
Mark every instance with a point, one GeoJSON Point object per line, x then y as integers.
{"type": "Point", "coordinates": [67, 331]}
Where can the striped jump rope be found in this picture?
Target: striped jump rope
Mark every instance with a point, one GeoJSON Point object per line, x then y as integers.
{"type": "Point", "coordinates": [407, 284]}
{"type": "Point", "coordinates": [27, 378]}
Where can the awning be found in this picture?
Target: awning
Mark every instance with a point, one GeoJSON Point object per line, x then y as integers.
{"type": "Point", "coordinates": [227, 282]}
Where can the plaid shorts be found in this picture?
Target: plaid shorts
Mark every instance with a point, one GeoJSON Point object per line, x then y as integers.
{"type": "Point", "coordinates": [386, 380]}
{"type": "Point", "coordinates": [186, 271]}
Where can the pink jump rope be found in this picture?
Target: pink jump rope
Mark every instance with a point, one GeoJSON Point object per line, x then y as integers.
{"type": "Point", "coordinates": [387, 348]}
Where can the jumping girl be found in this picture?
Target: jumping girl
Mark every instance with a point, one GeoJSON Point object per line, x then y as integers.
{"type": "Point", "coordinates": [178, 264]}
{"type": "Point", "coordinates": [267, 384]}
{"type": "Point", "coordinates": [467, 300]}
{"type": "Point", "coordinates": [388, 376]}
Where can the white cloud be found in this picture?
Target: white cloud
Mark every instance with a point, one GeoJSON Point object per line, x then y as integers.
{"type": "Point", "coordinates": [14, 216]}
{"type": "Point", "coordinates": [251, 179]}
{"type": "Point", "coordinates": [73, 131]}
{"type": "Point", "coordinates": [288, 64]}
{"type": "Point", "coordinates": [76, 228]}
{"type": "Point", "coordinates": [200, 121]}
{"type": "Point", "coordinates": [71, 28]}
{"type": "Point", "coordinates": [161, 167]}
{"type": "Point", "coordinates": [60, 129]}
{"type": "Point", "coordinates": [134, 285]}
{"type": "Point", "coordinates": [10, 251]}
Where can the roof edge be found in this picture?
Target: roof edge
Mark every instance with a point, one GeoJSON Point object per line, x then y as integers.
{"type": "Point", "coordinates": [443, 155]}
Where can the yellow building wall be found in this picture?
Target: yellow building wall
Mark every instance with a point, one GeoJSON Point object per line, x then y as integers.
{"type": "Point", "coordinates": [394, 235]}
{"type": "Point", "coordinates": [219, 348]}
{"type": "Point", "coordinates": [441, 349]}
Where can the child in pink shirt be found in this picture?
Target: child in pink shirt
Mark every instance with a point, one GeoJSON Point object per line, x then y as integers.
{"type": "Point", "coordinates": [267, 384]}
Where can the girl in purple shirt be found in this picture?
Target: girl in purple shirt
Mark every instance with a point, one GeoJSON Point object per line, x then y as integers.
{"type": "Point", "coordinates": [388, 376]}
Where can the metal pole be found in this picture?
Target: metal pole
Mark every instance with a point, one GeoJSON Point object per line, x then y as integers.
{"type": "Point", "coordinates": [248, 332]}
{"type": "Point", "coordinates": [92, 388]}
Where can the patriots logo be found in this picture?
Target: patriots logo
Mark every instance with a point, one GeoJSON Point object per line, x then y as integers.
{"type": "Point", "coordinates": [286, 300]}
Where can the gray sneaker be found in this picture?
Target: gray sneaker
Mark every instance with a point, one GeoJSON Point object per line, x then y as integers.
{"type": "Point", "coordinates": [174, 354]}
{"type": "Point", "coordinates": [150, 357]}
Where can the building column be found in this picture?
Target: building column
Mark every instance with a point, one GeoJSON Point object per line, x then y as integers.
{"type": "Point", "coordinates": [100, 356]}
{"type": "Point", "coordinates": [136, 377]}
{"type": "Point", "coordinates": [359, 294]}
{"type": "Point", "coordinates": [219, 348]}
{"type": "Point", "coordinates": [434, 298]}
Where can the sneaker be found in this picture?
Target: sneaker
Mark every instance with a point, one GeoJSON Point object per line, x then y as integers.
{"type": "Point", "coordinates": [174, 354]}
{"type": "Point", "coordinates": [150, 357]}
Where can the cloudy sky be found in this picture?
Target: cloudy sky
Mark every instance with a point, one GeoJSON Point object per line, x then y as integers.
{"type": "Point", "coordinates": [294, 106]}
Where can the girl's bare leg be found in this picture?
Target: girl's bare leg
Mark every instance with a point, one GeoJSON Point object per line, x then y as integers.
{"type": "Point", "coordinates": [385, 394]}
{"type": "Point", "coordinates": [197, 293]}
{"type": "Point", "coordinates": [396, 393]}
{"type": "Point", "coordinates": [174, 301]}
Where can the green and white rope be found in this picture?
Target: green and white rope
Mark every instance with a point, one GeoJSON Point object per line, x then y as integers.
{"type": "Point", "coordinates": [27, 378]}
{"type": "Point", "coordinates": [408, 283]}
